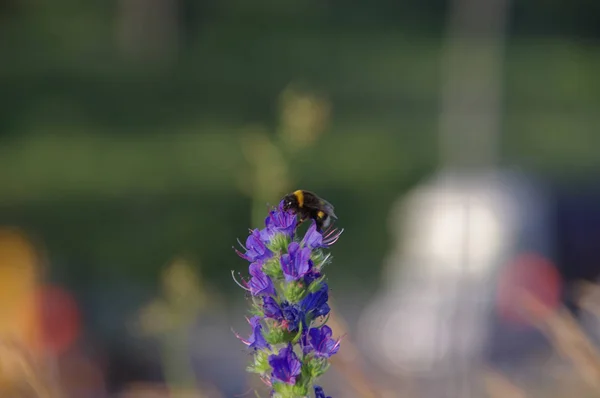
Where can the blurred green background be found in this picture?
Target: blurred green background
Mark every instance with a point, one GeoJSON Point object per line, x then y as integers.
{"type": "Point", "coordinates": [121, 127]}
{"type": "Point", "coordinates": [136, 132]}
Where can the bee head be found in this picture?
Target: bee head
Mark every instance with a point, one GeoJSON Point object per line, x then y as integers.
{"type": "Point", "coordinates": [290, 202]}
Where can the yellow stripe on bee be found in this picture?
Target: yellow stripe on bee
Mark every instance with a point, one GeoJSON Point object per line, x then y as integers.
{"type": "Point", "coordinates": [300, 196]}
{"type": "Point", "coordinates": [320, 214]}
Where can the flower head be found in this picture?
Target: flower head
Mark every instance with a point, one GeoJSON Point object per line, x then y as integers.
{"type": "Point", "coordinates": [285, 364]}
{"type": "Point", "coordinates": [319, 393]}
{"type": "Point", "coordinates": [317, 240]}
{"type": "Point", "coordinates": [315, 304]}
{"type": "Point", "coordinates": [313, 238]}
{"type": "Point", "coordinates": [256, 340]}
{"type": "Point", "coordinates": [256, 250]}
{"type": "Point", "coordinates": [311, 276]}
{"type": "Point", "coordinates": [271, 309]}
{"type": "Point", "coordinates": [320, 342]}
{"type": "Point", "coordinates": [280, 221]}
{"type": "Point", "coordinates": [292, 316]}
{"type": "Point", "coordinates": [289, 294]}
{"type": "Point", "coordinates": [260, 284]}
{"type": "Point", "coordinates": [296, 262]}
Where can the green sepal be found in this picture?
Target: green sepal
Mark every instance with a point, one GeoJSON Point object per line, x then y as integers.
{"type": "Point", "coordinates": [306, 374]}
{"type": "Point", "coordinates": [273, 268]}
{"type": "Point", "coordinates": [316, 367]}
{"type": "Point", "coordinates": [257, 307]}
{"type": "Point", "coordinates": [298, 335]}
{"type": "Point", "coordinates": [300, 390]}
{"type": "Point", "coordinates": [276, 335]}
{"type": "Point", "coordinates": [279, 243]}
{"type": "Point", "coordinates": [316, 284]}
{"type": "Point", "coordinates": [320, 259]}
{"type": "Point", "coordinates": [261, 363]}
{"type": "Point", "coordinates": [283, 390]}
{"type": "Point", "coordinates": [257, 311]}
{"type": "Point", "coordinates": [317, 256]}
{"type": "Point", "coordinates": [294, 291]}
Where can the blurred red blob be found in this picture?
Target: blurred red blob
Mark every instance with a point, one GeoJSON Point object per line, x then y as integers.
{"type": "Point", "coordinates": [530, 276]}
{"type": "Point", "coordinates": [60, 320]}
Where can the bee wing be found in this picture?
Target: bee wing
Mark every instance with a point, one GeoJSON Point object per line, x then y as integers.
{"type": "Point", "coordinates": [328, 208]}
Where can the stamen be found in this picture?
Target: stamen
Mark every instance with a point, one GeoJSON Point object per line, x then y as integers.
{"type": "Point", "coordinates": [244, 394]}
{"type": "Point", "coordinates": [266, 381]}
{"type": "Point", "coordinates": [239, 253]}
{"type": "Point", "coordinates": [328, 231]}
{"type": "Point", "coordinates": [243, 340]}
{"type": "Point", "coordinates": [237, 283]}
{"type": "Point", "coordinates": [333, 237]}
{"type": "Point", "coordinates": [325, 260]}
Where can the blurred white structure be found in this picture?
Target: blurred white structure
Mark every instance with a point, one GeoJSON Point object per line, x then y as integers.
{"type": "Point", "coordinates": [452, 235]}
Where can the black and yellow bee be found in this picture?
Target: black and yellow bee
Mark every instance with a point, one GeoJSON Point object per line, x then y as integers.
{"type": "Point", "coordinates": [308, 205]}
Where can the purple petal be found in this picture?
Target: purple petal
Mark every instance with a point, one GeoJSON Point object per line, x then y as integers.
{"type": "Point", "coordinates": [321, 343]}
{"type": "Point", "coordinates": [271, 308]}
{"type": "Point", "coordinates": [315, 303]}
{"type": "Point", "coordinates": [256, 339]}
{"type": "Point", "coordinates": [296, 263]}
{"type": "Point", "coordinates": [293, 248]}
{"type": "Point", "coordinates": [302, 262]}
{"type": "Point", "coordinates": [313, 238]}
{"type": "Point", "coordinates": [285, 364]}
{"type": "Point", "coordinates": [280, 221]}
{"type": "Point", "coordinates": [260, 283]}
{"type": "Point", "coordinates": [256, 248]}
{"type": "Point", "coordinates": [319, 393]}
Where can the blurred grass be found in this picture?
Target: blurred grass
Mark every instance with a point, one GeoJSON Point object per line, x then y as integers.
{"type": "Point", "coordinates": [120, 168]}
{"type": "Point", "coordinates": [73, 125]}
{"type": "Point", "coordinates": [58, 165]}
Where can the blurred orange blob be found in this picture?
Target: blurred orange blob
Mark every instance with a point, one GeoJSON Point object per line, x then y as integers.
{"type": "Point", "coordinates": [60, 320]}
{"type": "Point", "coordinates": [530, 279]}
{"type": "Point", "coordinates": [18, 281]}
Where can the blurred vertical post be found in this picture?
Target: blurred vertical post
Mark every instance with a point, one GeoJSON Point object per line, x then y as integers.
{"type": "Point", "coordinates": [470, 120]}
{"type": "Point", "coordinates": [469, 126]}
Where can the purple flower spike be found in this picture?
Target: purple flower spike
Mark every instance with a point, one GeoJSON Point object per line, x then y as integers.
{"type": "Point", "coordinates": [256, 340]}
{"type": "Point", "coordinates": [289, 298]}
{"type": "Point", "coordinates": [286, 366]}
{"type": "Point", "coordinates": [260, 283]}
{"type": "Point", "coordinates": [321, 343]}
{"type": "Point", "coordinates": [256, 250]}
{"type": "Point", "coordinates": [296, 263]}
{"type": "Point", "coordinates": [319, 393]}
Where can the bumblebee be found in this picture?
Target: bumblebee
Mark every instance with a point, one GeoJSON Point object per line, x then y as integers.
{"type": "Point", "coordinates": [307, 204]}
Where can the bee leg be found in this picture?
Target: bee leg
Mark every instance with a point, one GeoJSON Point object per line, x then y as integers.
{"type": "Point", "coordinates": [319, 223]}
{"type": "Point", "coordinates": [301, 220]}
